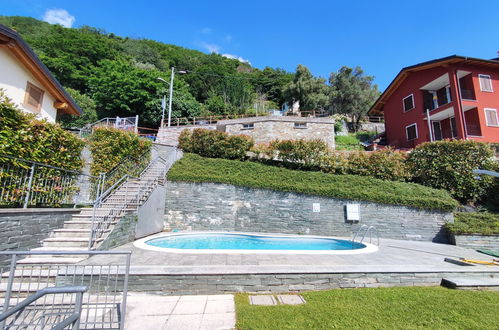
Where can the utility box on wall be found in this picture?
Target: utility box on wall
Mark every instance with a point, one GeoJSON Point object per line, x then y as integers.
{"type": "Point", "coordinates": [353, 212]}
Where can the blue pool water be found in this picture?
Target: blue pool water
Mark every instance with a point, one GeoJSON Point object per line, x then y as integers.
{"type": "Point", "coordinates": [250, 242]}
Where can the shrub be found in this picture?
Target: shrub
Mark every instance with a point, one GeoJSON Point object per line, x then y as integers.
{"type": "Point", "coordinates": [24, 136]}
{"type": "Point", "coordinates": [474, 223]}
{"type": "Point", "coordinates": [215, 144]}
{"type": "Point", "coordinates": [449, 165]}
{"type": "Point", "coordinates": [110, 145]}
{"type": "Point", "coordinates": [193, 168]}
{"type": "Point", "coordinates": [303, 154]}
{"type": "Point", "coordinates": [386, 164]}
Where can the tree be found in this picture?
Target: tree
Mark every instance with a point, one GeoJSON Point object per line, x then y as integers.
{"type": "Point", "coordinates": [352, 93]}
{"type": "Point", "coordinates": [86, 104]}
{"type": "Point", "coordinates": [311, 92]}
{"type": "Point", "coordinates": [120, 88]}
{"type": "Point", "coordinates": [272, 83]}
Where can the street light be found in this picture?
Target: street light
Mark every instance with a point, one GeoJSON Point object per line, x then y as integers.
{"type": "Point", "coordinates": [163, 103]}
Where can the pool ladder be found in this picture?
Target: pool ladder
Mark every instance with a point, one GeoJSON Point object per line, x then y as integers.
{"type": "Point", "coordinates": [366, 230]}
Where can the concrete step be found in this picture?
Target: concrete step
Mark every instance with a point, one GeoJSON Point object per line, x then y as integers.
{"type": "Point", "coordinates": [58, 249]}
{"type": "Point", "coordinates": [78, 224]}
{"type": "Point", "coordinates": [45, 260]}
{"type": "Point", "coordinates": [469, 283]}
{"type": "Point", "coordinates": [83, 232]}
{"type": "Point", "coordinates": [61, 242]}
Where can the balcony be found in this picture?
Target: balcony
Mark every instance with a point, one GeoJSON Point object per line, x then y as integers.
{"type": "Point", "coordinates": [468, 94]}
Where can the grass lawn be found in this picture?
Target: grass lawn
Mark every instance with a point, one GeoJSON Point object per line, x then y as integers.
{"type": "Point", "coordinates": [194, 168]}
{"type": "Point", "coordinates": [377, 308]}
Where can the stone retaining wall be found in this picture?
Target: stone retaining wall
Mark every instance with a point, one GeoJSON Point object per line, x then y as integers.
{"type": "Point", "coordinates": [24, 229]}
{"type": "Point", "coordinates": [486, 242]}
{"type": "Point", "coordinates": [210, 206]}
{"type": "Point", "coordinates": [262, 283]}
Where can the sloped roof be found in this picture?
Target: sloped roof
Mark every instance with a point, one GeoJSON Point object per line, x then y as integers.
{"type": "Point", "coordinates": [377, 107]}
{"type": "Point", "coordinates": [20, 49]}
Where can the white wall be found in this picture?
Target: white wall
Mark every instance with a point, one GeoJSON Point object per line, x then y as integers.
{"type": "Point", "coordinates": [13, 79]}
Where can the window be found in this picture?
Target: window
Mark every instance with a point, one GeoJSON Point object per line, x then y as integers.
{"type": "Point", "coordinates": [300, 125]}
{"type": "Point", "coordinates": [408, 102]}
{"type": "Point", "coordinates": [485, 83]}
{"type": "Point", "coordinates": [33, 97]}
{"type": "Point", "coordinates": [411, 132]}
{"type": "Point", "coordinates": [248, 126]}
{"type": "Point", "coordinates": [491, 117]}
{"type": "Point", "coordinates": [453, 127]}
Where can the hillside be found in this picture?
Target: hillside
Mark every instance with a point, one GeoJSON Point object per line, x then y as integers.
{"type": "Point", "coordinates": [118, 75]}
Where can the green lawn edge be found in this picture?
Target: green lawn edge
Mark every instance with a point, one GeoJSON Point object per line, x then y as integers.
{"type": "Point", "coordinates": [194, 168]}
{"type": "Point", "coordinates": [376, 308]}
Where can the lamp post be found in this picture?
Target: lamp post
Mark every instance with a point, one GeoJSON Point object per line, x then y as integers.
{"type": "Point", "coordinates": [163, 103]}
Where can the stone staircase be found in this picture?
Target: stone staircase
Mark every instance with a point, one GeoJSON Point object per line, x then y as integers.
{"type": "Point", "coordinates": [123, 200]}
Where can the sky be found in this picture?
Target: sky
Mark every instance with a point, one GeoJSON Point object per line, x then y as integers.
{"type": "Point", "coordinates": [380, 36]}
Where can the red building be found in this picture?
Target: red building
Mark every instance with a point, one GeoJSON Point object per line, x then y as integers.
{"type": "Point", "coordinates": [459, 96]}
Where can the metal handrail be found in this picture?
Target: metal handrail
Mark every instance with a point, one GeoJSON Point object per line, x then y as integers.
{"type": "Point", "coordinates": [72, 319]}
{"type": "Point", "coordinates": [366, 230]}
{"type": "Point", "coordinates": [45, 165]}
{"type": "Point", "coordinates": [39, 275]}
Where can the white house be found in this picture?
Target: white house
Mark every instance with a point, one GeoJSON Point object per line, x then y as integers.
{"type": "Point", "coordinates": [28, 82]}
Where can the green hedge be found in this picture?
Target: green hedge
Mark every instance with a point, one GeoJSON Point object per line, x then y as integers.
{"type": "Point", "coordinates": [211, 143]}
{"type": "Point", "coordinates": [24, 136]}
{"type": "Point", "coordinates": [449, 165]}
{"type": "Point", "coordinates": [484, 223]}
{"type": "Point", "coordinates": [386, 164]}
{"type": "Point", "coordinates": [109, 146]}
{"type": "Point", "coordinates": [194, 168]}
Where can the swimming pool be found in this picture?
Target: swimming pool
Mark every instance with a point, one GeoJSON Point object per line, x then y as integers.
{"type": "Point", "coordinates": [223, 242]}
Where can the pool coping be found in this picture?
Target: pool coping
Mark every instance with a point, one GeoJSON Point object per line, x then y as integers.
{"type": "Point", "coordinates": [141, 244]}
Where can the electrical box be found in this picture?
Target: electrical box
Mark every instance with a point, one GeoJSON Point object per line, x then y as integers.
{"type": "Point", "coordinates": [353, 212]}
{"type": "Point", "coordinates": [316, 207]}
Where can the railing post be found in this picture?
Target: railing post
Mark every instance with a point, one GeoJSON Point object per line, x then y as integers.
{"type": "Point", "coordinates": [30, 182]}
{"type": "Point", "coordinates": [125, 292]}
{"type": "Point", "coordinates": [8, 292]}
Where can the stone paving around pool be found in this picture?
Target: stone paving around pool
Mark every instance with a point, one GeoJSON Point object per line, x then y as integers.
{"type": "Point", "coordinates": [396, 263]}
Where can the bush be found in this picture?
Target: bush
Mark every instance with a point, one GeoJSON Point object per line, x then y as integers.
{"type": "Point", "coordinates": [302, 154]}
{"type": "Point", "coordinates": [449, 165]}
{"type": "Point", "coordinates": [386, 164]}
{"type": "Point", "coordinates": [110, 145]}
{"type": "Point", "coordinates": [24, 136]}
{"type": "Point", "coordinates": [474, 223]}
{"type": "Point", "coordinates": [215, 144]}
{"type": "Point", "coordinates": [193, 168]}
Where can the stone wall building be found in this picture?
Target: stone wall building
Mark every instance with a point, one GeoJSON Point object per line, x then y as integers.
{"type": "Point", "coordinates": [266, 129]}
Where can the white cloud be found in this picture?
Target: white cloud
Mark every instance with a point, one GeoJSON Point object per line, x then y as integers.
{"type": "Point", "coordinates": [59, 16]}
{"type": "Point", "coordinates": [212, 48]}
{"type": "Point", "coordinates": [235, 57]}
{"type": "Point", "coordinates": [206, 30]}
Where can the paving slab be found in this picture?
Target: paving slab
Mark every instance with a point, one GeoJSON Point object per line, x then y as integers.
{"type": "Point", "coordinates": [149, 311]}
{"type": "Point", "coordinates": [290, 299]}
{"type": "Point", "coordinates": [264, 300]}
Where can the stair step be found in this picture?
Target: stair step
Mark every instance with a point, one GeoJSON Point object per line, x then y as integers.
{"type": "Point", "coordinates": [64, 232]}
{"type": "Point", "coordinates": [77, 224]}
{"type": "Point", "coordinates": [463, 283]}
{"type": "Point", "coordinates": [66, 242]}
{"type": "Point", "coordinates": [48, 260]}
